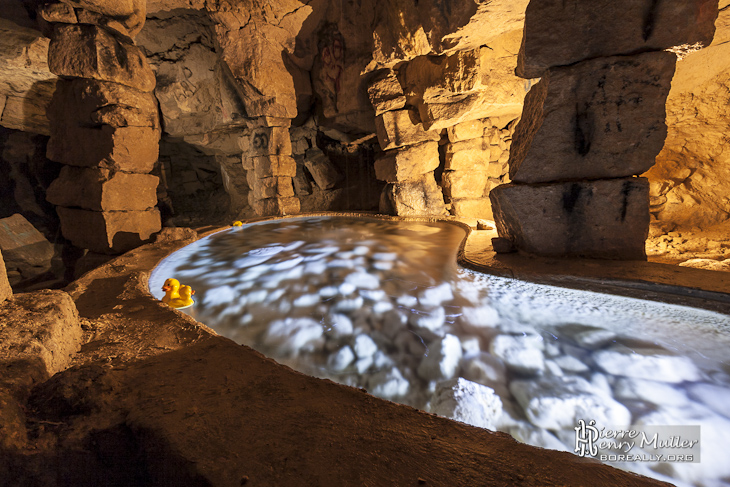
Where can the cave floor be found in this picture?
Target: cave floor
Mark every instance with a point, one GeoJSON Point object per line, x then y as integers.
{"type": "Point", "coordinates": [657, 279]}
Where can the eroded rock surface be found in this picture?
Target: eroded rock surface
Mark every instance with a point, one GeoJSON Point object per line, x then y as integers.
{"type": "Point", "coordinates": [582, 219]}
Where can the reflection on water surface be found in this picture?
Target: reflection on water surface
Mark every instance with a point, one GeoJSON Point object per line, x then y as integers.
{"type": "Point", "coordinates": [381, 305]}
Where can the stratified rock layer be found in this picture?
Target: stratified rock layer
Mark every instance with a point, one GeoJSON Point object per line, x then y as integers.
{"type": "Point", "coordinates": [101, 190]}
{"type": "Point", "coordinates": [559, 33]}
{"type": "Point", "coordinates": [131, 149]}
{"type": "Point", "coordinates": [607, 219]}
{"type": "Point", "coordinates": [108, 232]}
{"type": "Point", "coordinates": [602, 118]}
{"type": "Point", "coordinates": [91, 102]}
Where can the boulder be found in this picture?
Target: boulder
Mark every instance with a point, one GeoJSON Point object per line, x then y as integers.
{"type": "Point", "coordinates": [522, 354]}
{"type": "Point", "coordinates": [24, 249]}
{"type": "Point", "coordinates": [272, 187]}
{"type": "Point", "coordinates": [39, 336]}
{"type": "Point", "coordinates": [606, 219]}
{"type": "Point", "coordinates": [324, 173]}
{"type": "Point", "coordinates": [408, 163]}
{"type": "Point", "coordinates": [388, 383]}
{"type": "Point", "coordinates": [87, 51]}
{"type": "Point", "coordinates": [270, 141]}
{"type": "Point", "coordinates": [558, 402]}
{"type": "Point", "coordinates": [277, 206]}
{"type": "Point", "coordinates": [401, 127]}
{"type": "Point", "coordinates": [417, 197]}
{"type": "Point", "coordinates": [291, 336]}
{"type": "Point", "coordinates": [557, 33]}
{"type": "Point", "coordinates": [87, 102]}
{"type": "Point", "coordinates": [128, 149]}
{"type": "Point", "coordinates": [602, 118]}
{"type": "Point", "coordinates": [273, 166]}
{"type": "Point", "coordinates": [103, 190]}
{"type": "Point", "coordinates": [651, 364]}
{"type": "Point", "coordinates": [386, 93]}
{"type": "Point", "coordinates": [484, 368]}
{"type": "Point", "coordinates": [466, 184]}
{"type": "Point", "coordinates": [442, 361]}
{"type": "Point", "coordinates": [5, 290]}
{"type": "Point", "coordinates": [468, 402]}
{"type": "Point", "coordinates": [108, 232]}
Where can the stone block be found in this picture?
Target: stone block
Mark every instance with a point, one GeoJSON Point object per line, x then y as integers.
{"type": "Point", "coordinates": [87, 51]}
{"type": "Point", "coordinates": [602, 118]}
{"type": "Point", "coordinates": [471, 129]}
{"type": "Point", "coordinates": [270, 166]}
{"type": "Point", "coordinates": [39, 336]}
{"type": "Point", "coordinates": [386, 93]}
{"type": "Point", "coordinates": [407, 164]}
{"type": "Point", "coordinates": [472, 208]}
{"type": "Point", "coordinates": [103, 190]}
{"type": "Point", "coordinates": [605, 219]}
{"type": "Point", "coordinates": [90, 102]}
{"type": "Point", "coordinates": [270, 141]}
{"type": "Point", "coordinates": [559, 33]}
{"type": "Point", "coordinates": [418, 197]}
{"type": "Point", "coordinates": [469, 155]}
{"type": "Point", "coordinates": [5, 290]}
{"type": "Point", "coordinates": [277, 206]}
{"type": "Point", "coordinates": [324, 173]}
{"type": "Point", "coordinates": [401, 127]}
{"type": "Point", "coordinates": [24, 249]}
{"type": "Point", "coordinates": [129, 149]}
{"type": "Point", "coordinates": [273, 187]}
{"type": "Point", "coordinates": [108, 232]}
{"type": "Point", "coordinates": [466, 184]}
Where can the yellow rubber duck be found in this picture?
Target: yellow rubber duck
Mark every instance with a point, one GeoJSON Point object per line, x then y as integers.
{"type": "Point", "coordinates": [185, 300]}
{"type": "Point", "coordinates": [172, 290]}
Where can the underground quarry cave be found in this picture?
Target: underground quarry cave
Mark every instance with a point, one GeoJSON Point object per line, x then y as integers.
{"type": "Point", "coordinates": [426, 242]}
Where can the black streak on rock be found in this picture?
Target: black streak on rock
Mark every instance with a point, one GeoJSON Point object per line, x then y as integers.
{"type": "Point", "coordinates": [583, 131]}
{"type": "Point", "coordinates": [570, 198]}
{"type": "Point", "coordinates": [649, 20]}
{"type": "Point", "coordinates": [625, 191]}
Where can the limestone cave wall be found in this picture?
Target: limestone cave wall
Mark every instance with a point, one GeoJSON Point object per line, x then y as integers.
{"type": "Point", "coordinates": [395, 106]}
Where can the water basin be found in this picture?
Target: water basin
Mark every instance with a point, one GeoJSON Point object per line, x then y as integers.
{"type": "Point", "coordinates": [381, 305]}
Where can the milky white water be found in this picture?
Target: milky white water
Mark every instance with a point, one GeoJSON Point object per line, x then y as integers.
{"type": "Point", "coordinates": [381, 305]}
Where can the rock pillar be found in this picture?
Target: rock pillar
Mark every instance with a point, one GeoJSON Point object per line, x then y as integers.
{"type": "Point", "coordinates": [411, 153]}
{"type": "Point", "coordinates": [476, 162]}
{"type": "Point", "coordinates": [593, 122]}
{"type": "Point", "coordinates": [104, 125]}
{"type": "Point", "coordinates": [270, 168]}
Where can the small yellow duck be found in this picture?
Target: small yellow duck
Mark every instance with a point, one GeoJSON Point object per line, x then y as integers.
{"type": "Point", "coordinates": [172, 290]}
{"type": "Point", "coordinates": [185, 300]}
{"type": "Point", "coordinates": [177, 296]}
